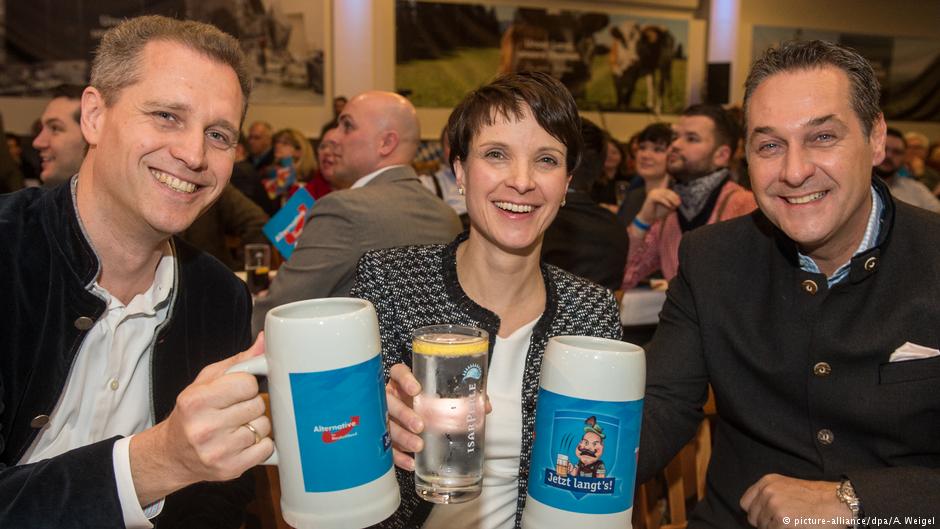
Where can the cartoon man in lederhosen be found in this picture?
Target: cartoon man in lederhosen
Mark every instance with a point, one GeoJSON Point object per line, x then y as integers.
{"type": "Point", "coordinates": [589, 451]}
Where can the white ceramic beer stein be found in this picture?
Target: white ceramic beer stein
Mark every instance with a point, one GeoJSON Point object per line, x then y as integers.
{"type": "Point", "coordinates": [333, 451]}
{"type": "Point", "coordinates": [587, 430]}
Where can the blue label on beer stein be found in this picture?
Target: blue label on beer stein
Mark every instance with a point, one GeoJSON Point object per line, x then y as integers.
{"type": "Point", "coordinates": [342, 426]}
{"type": "Point", "coordinates": [585, 453]}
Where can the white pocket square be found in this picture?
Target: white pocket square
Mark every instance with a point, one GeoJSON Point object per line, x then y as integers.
{"type": "Point", "coordinates": [912, 351]}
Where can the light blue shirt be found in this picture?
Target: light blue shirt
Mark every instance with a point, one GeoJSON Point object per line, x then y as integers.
{"type": "Point", "coordinates": [868, 241]}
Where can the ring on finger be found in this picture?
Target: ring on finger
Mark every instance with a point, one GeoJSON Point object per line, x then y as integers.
{"type": "Point", "coordinates": [252, 430]}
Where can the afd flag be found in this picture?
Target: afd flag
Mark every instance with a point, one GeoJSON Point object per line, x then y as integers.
{"type": "Point", "coordinates": [285, 226]}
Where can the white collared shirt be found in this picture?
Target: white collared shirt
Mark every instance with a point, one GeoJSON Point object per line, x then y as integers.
{"type": "Point", "coordinates": [108, 391]}
{"type": "Point", "coordinates": [371, 176]}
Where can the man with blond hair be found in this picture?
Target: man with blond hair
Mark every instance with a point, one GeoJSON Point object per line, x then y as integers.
{"type": "Point", "coordinates": [115, 408]}
{"type": "Point", "coordinates": [386, 204]}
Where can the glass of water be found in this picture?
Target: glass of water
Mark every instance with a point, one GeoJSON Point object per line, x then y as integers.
{"type": "Point", "coordinates": [449, 362]}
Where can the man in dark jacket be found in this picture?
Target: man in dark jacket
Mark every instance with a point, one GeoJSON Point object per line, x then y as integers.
{"type": "Point", "coordinates": [827, 400]}
{"type": "Point", "coordinates": [586, 239]}
{"type": "Point", "coordinates": [112, 327]}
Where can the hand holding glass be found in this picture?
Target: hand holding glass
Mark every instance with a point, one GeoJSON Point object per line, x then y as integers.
{"type": "Point", "coordinates": [450, 363]}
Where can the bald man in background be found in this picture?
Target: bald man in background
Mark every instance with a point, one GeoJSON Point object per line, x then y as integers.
{"type": "Point", "coordinates": [386, 204]}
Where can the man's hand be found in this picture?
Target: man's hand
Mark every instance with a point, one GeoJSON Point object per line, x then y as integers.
{"type": "Point", "coordinates": [779, 501]}
{"type": "Point", "coordinates": [205, 437]}
{"type": "Point", "coordinates": [658, 204]}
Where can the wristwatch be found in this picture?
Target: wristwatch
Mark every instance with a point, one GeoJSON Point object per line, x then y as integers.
{"type": "Point", "coordinates": [846, 494]}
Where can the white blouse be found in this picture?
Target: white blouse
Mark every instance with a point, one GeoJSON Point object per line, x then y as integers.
{"type": "Point", "coordinates": [495, 508]}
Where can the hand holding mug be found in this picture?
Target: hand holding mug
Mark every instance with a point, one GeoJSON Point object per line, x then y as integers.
{"type": "Point", "coordinates": [324, 369]}
{"type": "Point", "coordinates": [216, 432]}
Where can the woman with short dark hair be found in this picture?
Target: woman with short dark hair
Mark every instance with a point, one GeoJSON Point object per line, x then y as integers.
{"type": "Point", "coordinates": [514, 144]}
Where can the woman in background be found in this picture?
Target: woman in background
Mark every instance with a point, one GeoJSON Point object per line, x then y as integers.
{"type": "Point", "coordinates": [294, 167]}
{"type": "Point", "coordinates": [514, 144]}
{"type": "Point", "coordinates": [326, 159]}
{"type": "Point", "coordinates": [652, 147]}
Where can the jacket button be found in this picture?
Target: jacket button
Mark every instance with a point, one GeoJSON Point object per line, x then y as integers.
{"type": "Point", "coordinates": [871, 263]}
{"type": "Point", "coordinates": [809, 286]}
{"type": "Point", "coordinates": [825, 437]}
{"type": "Point", "coordinates": [83, 323]}
{"type": "Point", "coordinates": [822, 369]}
{"type": "Point", "coordinates": [39, 421]}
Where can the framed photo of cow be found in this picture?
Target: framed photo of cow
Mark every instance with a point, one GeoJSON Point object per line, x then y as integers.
{"type": "Point", "coordinates": [614, 61]}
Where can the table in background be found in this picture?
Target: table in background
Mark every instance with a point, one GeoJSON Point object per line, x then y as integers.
{"type": "Point", "coordinates": [639, 314]}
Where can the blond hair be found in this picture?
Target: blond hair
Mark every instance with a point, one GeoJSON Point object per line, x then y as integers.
{"type": "Point", "coordinates": [117, 60]}
{"type": "Point", "coordinates": [307, 163]}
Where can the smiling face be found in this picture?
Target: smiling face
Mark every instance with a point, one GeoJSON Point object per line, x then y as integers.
{"type": "Point", "coordinates": [810, 161]}
{"type": "Point", "coordinates": [60, 144]}
{"type": "Point", "coordinates": [515, 179]}
{"type": "Point", "coordinates": [163, 151]}
{"type": "Point", "coordinates": [651, 160]}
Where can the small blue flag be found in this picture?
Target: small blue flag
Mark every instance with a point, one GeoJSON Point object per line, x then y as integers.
{"type": "Point", "coordinates": [286, 225]}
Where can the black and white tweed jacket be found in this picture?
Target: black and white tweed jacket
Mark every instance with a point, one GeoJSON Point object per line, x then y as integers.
{"type": "Point", "coordinates": [414, 286]}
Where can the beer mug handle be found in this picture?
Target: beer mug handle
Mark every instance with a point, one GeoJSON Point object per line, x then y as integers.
{"type": "Point", "coordinates": [256, 366]}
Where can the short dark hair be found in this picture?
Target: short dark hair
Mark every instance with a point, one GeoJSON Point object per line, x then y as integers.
{"type": "Point", "coordinates": [727, 131]}
{"type": "Point", "coordinates": [658, 133]}
{"type": "Point", "coordinates": [891, 131]}
{"type": "Point", "coordinates": [551, 103]}
{"type": "Point", "coordinates": [592, 156]}
{"type": "Point", "coordinates": [72, 92]}
{"type": "Point", "coordinates": [865, 91]}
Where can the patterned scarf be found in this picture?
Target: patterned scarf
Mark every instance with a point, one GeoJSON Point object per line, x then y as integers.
{"type": "Point", "coordinates": [695, 194]}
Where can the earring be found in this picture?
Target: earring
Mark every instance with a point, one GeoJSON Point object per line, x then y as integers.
{"type": "Point", "coordinates": [460, 191]}
{"type": "Point", "coordinates": [563, 202]}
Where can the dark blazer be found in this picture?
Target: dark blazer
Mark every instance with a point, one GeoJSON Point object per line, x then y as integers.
{"type": "Point", "coordinates": [394, 209]}
{"type": "Point", "coordinates": [801, 373]}
{"type": "Point", "coordinates": [416, 286]}
{"type": "Point", "coordinates": [586, 240]}
{"type": "Point", "coordinates": [45, 313]}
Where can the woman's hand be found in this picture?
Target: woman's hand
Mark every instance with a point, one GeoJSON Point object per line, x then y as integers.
{"type": "Point", "coordinates": [405, 424]}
